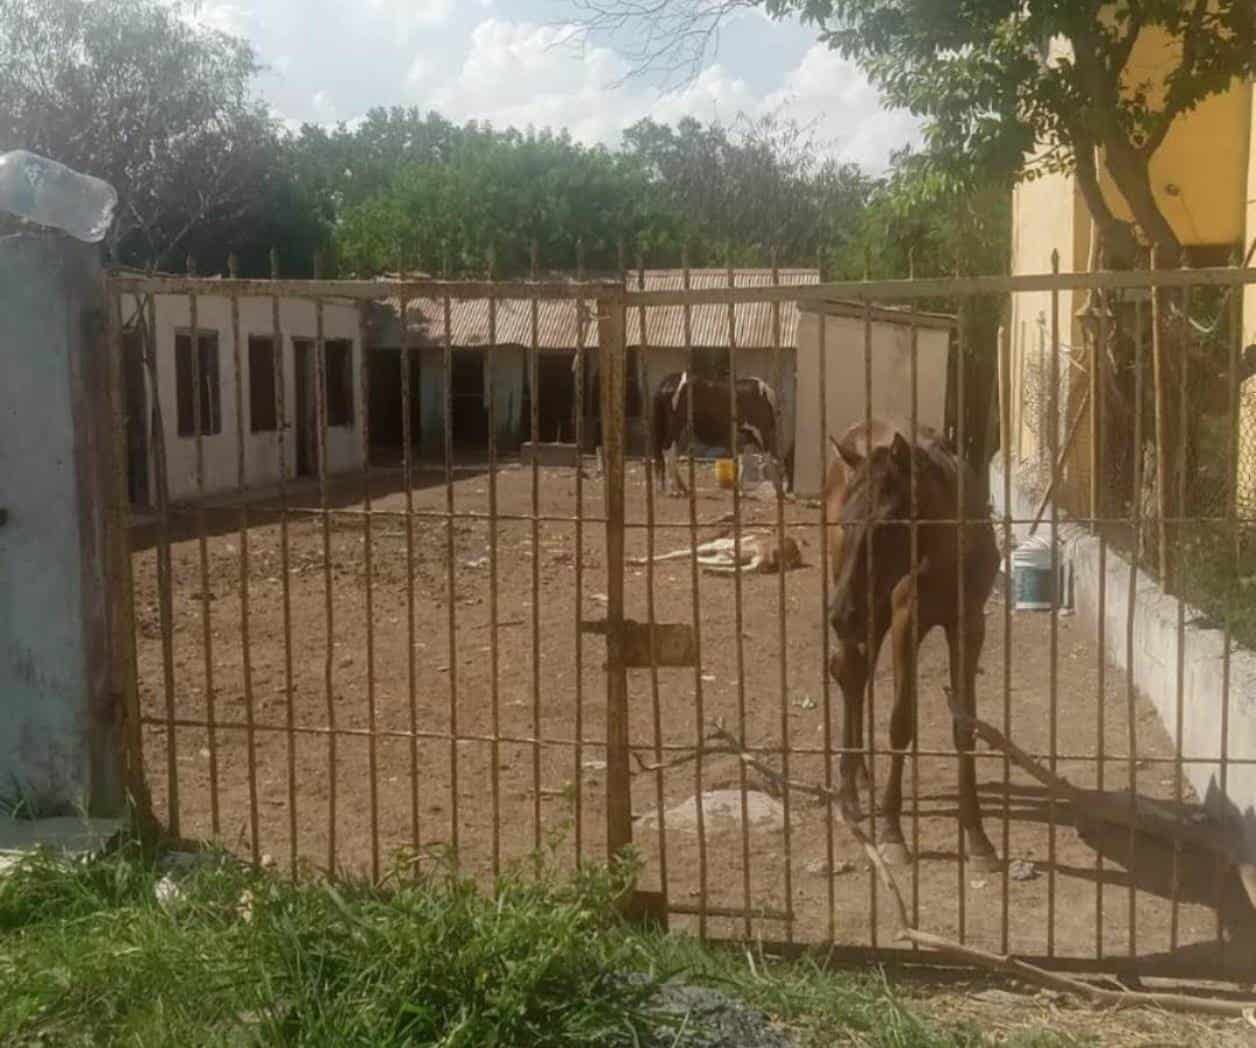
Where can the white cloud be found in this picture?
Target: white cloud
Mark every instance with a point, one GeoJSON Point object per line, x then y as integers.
{"type": "Point", "coordinates": [226, 16]}
{"type": "Point", "coordinates": [520, 74]}
{"type": "Point", "coordinates": [831, 92]}
{"type": "Point", "coordinates": [408, 16]}
{"type": "Point", "coordinates": [324, 107]}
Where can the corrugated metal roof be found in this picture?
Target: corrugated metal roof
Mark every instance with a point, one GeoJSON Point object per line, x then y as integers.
{"type": "Point", "coordinates": [557, 322]}
{"type": "Point", "coordinates": [708, 324]}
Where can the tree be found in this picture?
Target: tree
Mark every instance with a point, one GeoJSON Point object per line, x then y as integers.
{"type": "Point", "coordinates": [915, 223]}
{"type": "Point", "coordinates": [503, 192]}
{"type": "Point", "coordinates": [749, 186]}
{"type": "Point", "coordinates": [981, 74]}
{"type": "Point", "coordinates": [139, 94]}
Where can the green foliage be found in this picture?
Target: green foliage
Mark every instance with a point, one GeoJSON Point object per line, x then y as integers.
{"type": "Point", "coordinates": [135, 92]}
{"type": "Point", "coordinates": [727, 195]}
{"type": "Point", "coordinates": [503, 193]}
{"type": "Point", "coordinates": [984, 76]}
{"type": "Point", "coordinates": [112, 950]}
{"type": "Point", "coordinates": [90, 955]}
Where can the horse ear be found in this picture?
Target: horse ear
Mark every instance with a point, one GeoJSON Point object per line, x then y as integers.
{"type": "Point", "coordinates": [849, 456]}
{"type": "Point", "coordinates": [900, 452]}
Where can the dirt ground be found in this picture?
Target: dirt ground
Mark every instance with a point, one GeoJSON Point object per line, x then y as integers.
{"type": "Point", "coordinates": [435, 716]}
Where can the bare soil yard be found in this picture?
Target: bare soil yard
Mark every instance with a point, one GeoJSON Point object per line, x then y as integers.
{"type": "Point", "coordinates": [513, 794]}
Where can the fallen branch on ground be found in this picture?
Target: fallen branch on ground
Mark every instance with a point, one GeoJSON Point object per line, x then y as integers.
{"type": "Point", "coordinates": [1143, 814]}
{"type": "Point", "coordinates": [727, 743]}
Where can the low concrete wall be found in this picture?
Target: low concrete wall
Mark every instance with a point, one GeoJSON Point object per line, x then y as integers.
{"type": "Point", "coordinates": [1155, 655]}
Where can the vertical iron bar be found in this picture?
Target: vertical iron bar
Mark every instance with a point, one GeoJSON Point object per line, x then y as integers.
{"type": "Point", "coordinates": [165, 572]}
{"type": "Point", "coordinates": [1098, 390]}
{"type": "Point", "coordinates": [1232, 477]}
{"type": "Point", "coordinates": [699, 704]}
{"type": "Point", "coordinates": [734, 428]}
{"type": "Point", "coordinates": [494, 664]}
{"type": "Point", "coordinates": [1053, 673]}
{"type": "Point", "coordinates": [202, 541]}
{"type": "Point", "coordinates": [246, 655]}
{"type": "Point", "coordinates": [611, 354]}
{"type": "Point", "coordinates": [368, 568]}
{"type": "Point", "coordinates": [915, 618]}
{"type": "Point", "coordinates": [1005, 347]}
{"type": "Point", "coordinates": [320, 396]}
{"type": "Point", "coordinates": [281, 425]}
{"type": "Point", "coordinates": [655, 703]}
{"type": "Point", "coordinates": [580, 306]}
{"type": "Point", "coordinates": [447, 359]}
{"type": "Point", "coordinates": [406, 362]}
{"type": "Point", "coordinates": [961, 550]}
{"type": "Point", "coordinates": [534, 372]}
{"type": "Point", "coordinates": [1131, 694]}
{"type": "Point", "coordinates": [782, 603]}
{"type": "Point", "coordinates": [826, 652]}
{"type": "Point", "coordinates": [1179, 586]}
{"type": "Point", "coordinates": [870, 754]}
{"type": "Point", "coordinates": [1159, 379]}
{"type": "Point", "coordinates": [125, 671]}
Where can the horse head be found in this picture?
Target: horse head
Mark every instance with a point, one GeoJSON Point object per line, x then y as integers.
{"type": "Point", "coordinates": [875, 506]}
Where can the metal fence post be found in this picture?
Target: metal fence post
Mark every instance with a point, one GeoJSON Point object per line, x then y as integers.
{"type": "Point", "coordinates": [611, 363]}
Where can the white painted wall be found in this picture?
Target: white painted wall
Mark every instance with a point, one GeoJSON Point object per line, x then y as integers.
{"type": "Point", "coordinates": [1203, 695]}
{"type": "Point", "coordinates": [845, 388]}
{"type": "Point", "coordinates": [261, 450]}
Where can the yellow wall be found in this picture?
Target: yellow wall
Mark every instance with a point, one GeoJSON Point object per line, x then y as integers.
{"type": "Point", "coordinates": [1047, 215]}
{"type": "Point", "coordinates": [1204, 155]}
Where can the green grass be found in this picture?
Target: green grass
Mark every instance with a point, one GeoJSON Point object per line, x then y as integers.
{"type": "Point", "coordinates": [1220, 579]}
{"type": "Point", "coordinates": [90, 956]}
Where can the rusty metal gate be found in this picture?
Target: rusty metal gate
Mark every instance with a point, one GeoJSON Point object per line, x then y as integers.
{"type": "Point", "coordinates": [366, 596]}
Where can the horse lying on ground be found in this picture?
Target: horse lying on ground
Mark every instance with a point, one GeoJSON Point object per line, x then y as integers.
{"type": "Point", "coordinates": [669, 419]}
{"type": "Point", "coordinates": [868, 498]}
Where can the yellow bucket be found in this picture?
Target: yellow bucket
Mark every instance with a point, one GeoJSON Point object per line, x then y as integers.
{"type": "Point", "coordinates": [725, 472]}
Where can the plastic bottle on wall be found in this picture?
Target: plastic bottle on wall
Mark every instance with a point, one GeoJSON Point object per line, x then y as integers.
{"type": "Point", "coordinates": [44, 191]}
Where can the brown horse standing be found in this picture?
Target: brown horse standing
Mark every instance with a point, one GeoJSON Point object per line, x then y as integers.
{"type": "Point", "coordinates": [868, 496]}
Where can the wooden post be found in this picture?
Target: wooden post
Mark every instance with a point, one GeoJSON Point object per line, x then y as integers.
{"type": "Point", "coordinates": [612, 354]}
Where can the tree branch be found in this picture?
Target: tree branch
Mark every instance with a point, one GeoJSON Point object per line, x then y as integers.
{"type": "Point", "coordinates": [1125, 46]}
{"type": "Point", "coordinates": [1174, 108]}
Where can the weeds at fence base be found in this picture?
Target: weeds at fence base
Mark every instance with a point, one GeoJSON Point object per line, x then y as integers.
{"type": "Point", "coordinates": [89, 954]}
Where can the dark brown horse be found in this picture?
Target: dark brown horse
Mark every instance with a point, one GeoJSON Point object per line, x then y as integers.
{"type": "Point", "coordinates": [868, 496]}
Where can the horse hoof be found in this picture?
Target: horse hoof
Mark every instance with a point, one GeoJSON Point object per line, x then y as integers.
{"type": "Point", "coordinates": [984, 862]}
{"type": "Point", "coordinates": [895, 853]}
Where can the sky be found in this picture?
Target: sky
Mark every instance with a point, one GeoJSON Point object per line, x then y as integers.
{"type": "Point", "coordinates": [516, 62]}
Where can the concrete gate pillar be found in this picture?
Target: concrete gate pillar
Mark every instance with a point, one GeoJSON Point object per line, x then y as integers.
{"type": "Point", "coordinates": [60, 733]}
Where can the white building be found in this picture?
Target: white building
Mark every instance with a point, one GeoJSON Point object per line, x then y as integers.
{"type": "Point", "coordinates": [221, 423]}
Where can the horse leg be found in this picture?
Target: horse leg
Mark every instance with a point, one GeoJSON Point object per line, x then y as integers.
{"type": "Point", "coordinates": [849, 667]}
{"type": "Point", "coordinates": [981, 853]}
{"type": "Point", "coordinates": [678, 485]}
{"type": "Point", "coordinates": [902, 722]}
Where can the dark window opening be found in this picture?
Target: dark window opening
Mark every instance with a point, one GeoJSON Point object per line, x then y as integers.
{"type": "Point", "coordinates": [339, 363]}
{"type": "Point", "coordinates": [262, 412]}
{"type": "Point", "coordinates": [186, 379]}
{"type": "Point", "coordinates": [711, 362]}
{"type": "Point", "coordinates": [633, 392]}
